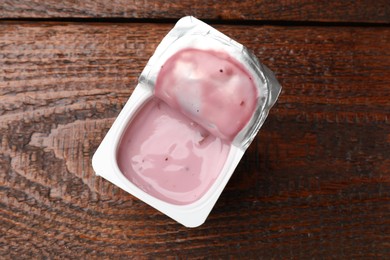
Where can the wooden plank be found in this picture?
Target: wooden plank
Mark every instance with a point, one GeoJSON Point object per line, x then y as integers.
{"type": "Point", "coordinates": [315, 182]}
{"type": "Point", "coordinates": [306, 10]}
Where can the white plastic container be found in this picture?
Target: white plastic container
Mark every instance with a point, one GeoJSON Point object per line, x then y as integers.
{"type": "Point", "coordinates": [189, 34]}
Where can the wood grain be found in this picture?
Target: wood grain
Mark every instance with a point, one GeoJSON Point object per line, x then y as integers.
{"type": "Point", "coordinates": [305, 10]}
{"type": "Point", "coordinates": [315, 182]}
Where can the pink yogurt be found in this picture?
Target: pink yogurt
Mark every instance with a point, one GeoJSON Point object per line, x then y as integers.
{"type": "Point", "coordinates": [169, 156]}
{"type": "Point", "coordinates": [178, 143]}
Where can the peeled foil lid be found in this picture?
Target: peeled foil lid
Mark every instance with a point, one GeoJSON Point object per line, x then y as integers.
{"type": "Point", "coordinates": [190, 32]}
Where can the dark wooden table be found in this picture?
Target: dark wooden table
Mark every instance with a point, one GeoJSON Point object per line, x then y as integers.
{"type": "Point", "coordinates": [315, 183]}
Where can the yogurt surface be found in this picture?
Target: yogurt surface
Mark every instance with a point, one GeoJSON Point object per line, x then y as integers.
{"type": "Point", "coordinates": [177, 144]}
{"type": "Point", "coordinates": [169, 156]}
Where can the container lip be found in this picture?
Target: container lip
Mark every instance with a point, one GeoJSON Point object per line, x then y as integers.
{"type": "Point", "coordinates": [104, 160]}
{"type": "Point", "coordinates": [105, 164]}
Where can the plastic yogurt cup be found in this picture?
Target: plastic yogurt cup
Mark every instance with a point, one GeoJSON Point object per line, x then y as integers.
{"type": "Point", "coordinates": [200, 101]}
